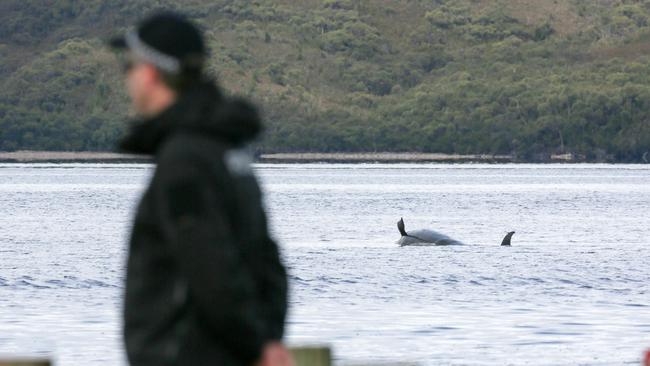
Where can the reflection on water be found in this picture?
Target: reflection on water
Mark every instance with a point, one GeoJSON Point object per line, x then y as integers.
{"type": "Point", "coordinates": [573, 289]}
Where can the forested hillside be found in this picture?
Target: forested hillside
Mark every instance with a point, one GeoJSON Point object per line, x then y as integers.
{"type": "Point", "coordinates": [523, 77]}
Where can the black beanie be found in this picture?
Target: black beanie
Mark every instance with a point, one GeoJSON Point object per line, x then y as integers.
{"type": "Point", "coordinates": [167, 40]}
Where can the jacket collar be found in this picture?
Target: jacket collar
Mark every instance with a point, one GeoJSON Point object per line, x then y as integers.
{"type": "Point", "coordinates": [201, 110]}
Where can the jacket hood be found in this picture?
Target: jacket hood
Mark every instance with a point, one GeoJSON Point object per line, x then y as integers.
{"type": "Point", "coordinates": [201, 110]}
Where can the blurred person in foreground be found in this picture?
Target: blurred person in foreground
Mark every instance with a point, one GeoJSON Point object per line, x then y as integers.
{"type": "Point", "coordinates": [205, 284]}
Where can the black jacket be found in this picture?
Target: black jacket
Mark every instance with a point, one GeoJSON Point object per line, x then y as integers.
{"type": "Point", "coordinates": [205, 285]}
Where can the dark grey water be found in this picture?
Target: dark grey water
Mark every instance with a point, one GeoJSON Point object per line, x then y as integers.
{"type": "Point", "coordinates": [573, 289]}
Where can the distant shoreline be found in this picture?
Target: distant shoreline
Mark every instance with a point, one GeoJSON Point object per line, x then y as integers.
{"type": "Point", "coordinates": [69, 157]}
{"type": "Point", "coordinates": [382, 157]}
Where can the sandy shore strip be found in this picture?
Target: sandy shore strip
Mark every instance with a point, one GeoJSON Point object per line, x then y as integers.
{"type": "Point", "coordinates": [68, 157]}
{"type": "Point", "coordinates": [108, 157]}
{"type": "Point", "coordinates": [380, 158]}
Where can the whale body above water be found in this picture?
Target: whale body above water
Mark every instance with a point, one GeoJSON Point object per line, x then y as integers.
{"type": "Point", "coordinates": [430, 237]}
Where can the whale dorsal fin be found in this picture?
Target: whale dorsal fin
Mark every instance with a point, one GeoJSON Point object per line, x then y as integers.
{"type": "Point", "coordinates": [400, 227]}
{"type": "Point", "coordinates": [506, 240]}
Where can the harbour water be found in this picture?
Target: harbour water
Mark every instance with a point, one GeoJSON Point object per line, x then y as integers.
{"type": "Point", "coordinates": [572, 290]}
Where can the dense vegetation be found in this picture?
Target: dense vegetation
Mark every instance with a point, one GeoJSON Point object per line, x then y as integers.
{"type": "Point", "coordinates": [524, 77]}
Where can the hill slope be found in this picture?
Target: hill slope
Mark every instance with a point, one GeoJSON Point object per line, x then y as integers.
{"type": "Point", "coordinates": [527, 77]}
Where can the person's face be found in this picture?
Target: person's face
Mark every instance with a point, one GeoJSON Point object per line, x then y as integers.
{"type": "Point", "coordinates": [141, 80]}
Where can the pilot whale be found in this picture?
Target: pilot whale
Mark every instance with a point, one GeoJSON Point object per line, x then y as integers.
{"type": "Point", "coordinates": [430, 237]}
{"type": "Point", "coordinates": [506, 240]}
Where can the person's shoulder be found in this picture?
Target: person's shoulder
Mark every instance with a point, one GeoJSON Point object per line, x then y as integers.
{"type": "Point", "coordinates": [190, 149]}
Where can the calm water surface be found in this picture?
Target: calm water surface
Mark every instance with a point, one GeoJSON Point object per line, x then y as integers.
{"type": "Point", "coordinates": [573, 289]}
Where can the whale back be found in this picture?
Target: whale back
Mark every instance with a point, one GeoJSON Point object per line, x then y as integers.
{"type": "Point", "coordinates": [430, 237]}
{"type": "Point", "coordinates": [426, 238]}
